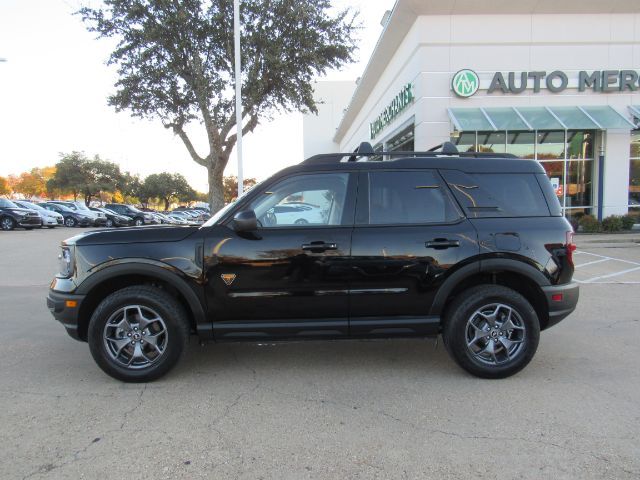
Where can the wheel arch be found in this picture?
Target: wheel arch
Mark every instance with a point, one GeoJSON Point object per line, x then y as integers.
{"type": "Point", "coordinates": [518, 276]}
{"type": "Point", "coordinates": [139, 272]}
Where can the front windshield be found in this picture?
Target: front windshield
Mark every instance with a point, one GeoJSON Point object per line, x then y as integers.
{"type": "Point", "coordinates": [80, 206]}
{"type": "Point", "coordinates": [133, 209]}
{"type": "Point", "coordinates": [4, 203]}
{"type": "Point", "coordinates": [64, 208]}
{"type": "Point", "coordinates": [32, 206]}
{"type": "Point", "coordinates": [224, 210]}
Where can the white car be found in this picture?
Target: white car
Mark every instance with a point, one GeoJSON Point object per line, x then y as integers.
{"type": "Point", "coordinates": [50, 218]}
{"type": "Point", "coordinates": [297, 213]}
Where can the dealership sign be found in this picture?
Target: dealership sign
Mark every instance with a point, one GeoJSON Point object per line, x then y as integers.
{"type": "Point", "coordinates": [466, 83]}
{"type": "Point", "coordinates": [397, 105]}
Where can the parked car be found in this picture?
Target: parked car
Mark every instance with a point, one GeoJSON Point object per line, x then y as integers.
{"type": "Point", "coordinates": [298, 214]}
{"type": "Point", "coordinates": [471, 246]}
{"type": "Point", "coordinates": [72, 218]}
{"type": "Point", "coordinates": [178, 219]}
{"type": "Point", "coordinates": [114, 219]}
{"type": "Point", "coordinates": [12, 216]}
{"type": "Point", "coordinates": [99, 218]}
{"type": "Point", "coordinates": [50, 219]}
{"type": "Point", "coordinates": [139, 217]}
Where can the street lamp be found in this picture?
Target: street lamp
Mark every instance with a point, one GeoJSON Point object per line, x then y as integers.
{"type": "Point", "coordinates": [238, 70]}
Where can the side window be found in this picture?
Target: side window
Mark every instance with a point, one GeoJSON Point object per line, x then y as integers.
{"type": "Point", "coordinates": [485, 195]}
{"type": "Point", "coordinates": [303, 200]}
{"type": "Point", "coordinates": [409, 197]}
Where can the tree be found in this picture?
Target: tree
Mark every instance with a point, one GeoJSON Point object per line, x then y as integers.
{"type": "Point", "coordinates": [168, 187]}
{"type": "Point", "coordinates": [230, 184]}
{"type": "Point", "coordinates": [34, 182]}
{"type": "Point", "coordinates": [176, 63]}
{"type": "Point", "coordinates": [4, 186]}
{"type": "Point", "coordinates": [77, 174]}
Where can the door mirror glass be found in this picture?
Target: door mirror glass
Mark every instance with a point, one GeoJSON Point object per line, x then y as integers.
{"type": "Point", "coordinates": [245, 221]}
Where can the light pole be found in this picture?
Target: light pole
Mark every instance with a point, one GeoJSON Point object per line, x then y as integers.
{"type": "Point", "coordinates": [238, 69]}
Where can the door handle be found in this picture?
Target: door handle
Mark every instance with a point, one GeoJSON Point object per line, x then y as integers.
{"type": "Point", "coordinates": [442, 243]}
{"type": "Point", "coordinates": [319, 246]}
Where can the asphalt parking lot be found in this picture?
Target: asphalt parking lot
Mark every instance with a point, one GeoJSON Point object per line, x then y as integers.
{"type": "Point", "coordinates": [351, 409]}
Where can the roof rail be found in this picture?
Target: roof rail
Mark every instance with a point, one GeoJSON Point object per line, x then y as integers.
{"type": "Point", "coordinates": [365, 150]}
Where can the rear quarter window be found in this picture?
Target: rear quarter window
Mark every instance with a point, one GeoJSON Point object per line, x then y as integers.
{"type": "Point", "coordinates": [486, 195]}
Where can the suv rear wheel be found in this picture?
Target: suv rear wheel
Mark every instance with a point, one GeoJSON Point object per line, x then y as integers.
{"type": "Point", "coordinates": [138, 334]}
{"type": "Point", "coordinates": [491, 331]}
{"type": "Point", "coordinates": [138, 222]}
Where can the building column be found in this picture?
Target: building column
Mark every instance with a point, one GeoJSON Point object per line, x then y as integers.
{"type": "Point", "coordinates": [616, 172]}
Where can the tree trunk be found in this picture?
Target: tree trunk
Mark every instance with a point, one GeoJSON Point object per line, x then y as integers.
{"type": "Point", "coordinates": [216, 189]}
{"type": "Point", "coordinates": [166, 204]}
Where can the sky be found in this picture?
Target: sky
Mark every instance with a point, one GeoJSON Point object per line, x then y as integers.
{"type": "Point", "coordinates": [55, 82]}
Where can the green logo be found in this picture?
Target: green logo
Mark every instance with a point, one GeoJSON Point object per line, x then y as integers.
{"type": "Point", "coordinates": [465, 83]}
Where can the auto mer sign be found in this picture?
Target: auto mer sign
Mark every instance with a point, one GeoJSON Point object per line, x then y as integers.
{"type": "Point", "coordinates": [397, 105]}
{"type": "Point", "coordinates": [466, 82]}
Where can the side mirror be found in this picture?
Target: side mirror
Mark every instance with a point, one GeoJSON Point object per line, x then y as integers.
{"type": "Point", "coordinates": [245, 221]}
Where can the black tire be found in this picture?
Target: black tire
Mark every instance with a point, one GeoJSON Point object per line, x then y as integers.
{"type": "Point", "coordinates": [109, 222]}
{"type": "Point", "coordinates": [170, 311]}
{"type": "Point", "coordinates": [138, 222]}
{"type": "Point", "coordinates": [301, 221]}
{"type": "Point", "coordinates": [70, 222]}
{"type": "Point", "coordinates": [7, 223]}
{"type": "Point", "coordinates": [523, 339]}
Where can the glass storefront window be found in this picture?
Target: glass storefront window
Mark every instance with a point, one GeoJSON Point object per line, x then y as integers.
{"type": "Point", "coordinates": [465, 141]}
{"type": "Point", "coordinates": [403, 142]}
{"type": "Point", "coordinates": [555, 172]}
{"type": "Point", "coordinates": [634, 169]}
{"type": "Point", "coordinates": [491, 142]}
{"type": "Point", "coordinates": [521, 144]}
{"type": "Point", "coordinates": [634, 182]}
{"type": "Point", "coordinates": [550, 145]}
{"type": "Point", "coordinates": [580, 144]}
{"type": "Point", "coordinates": [579, 183]}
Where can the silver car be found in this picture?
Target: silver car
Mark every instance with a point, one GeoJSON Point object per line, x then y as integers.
{"type": "Point", "coordinates": [50, 219]}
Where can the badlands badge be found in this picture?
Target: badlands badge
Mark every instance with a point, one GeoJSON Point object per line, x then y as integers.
{"type": "Point", "coordinates": [228, 278]}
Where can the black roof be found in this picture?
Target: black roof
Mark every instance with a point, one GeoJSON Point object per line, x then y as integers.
{"type": "Point", "coordinates": [447, 158]}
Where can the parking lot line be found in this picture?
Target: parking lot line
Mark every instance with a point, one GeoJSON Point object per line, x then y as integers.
{"type": "Point", "coordinates": [593, 263]}
{"type": "Point", "coordinates": [610, 275]}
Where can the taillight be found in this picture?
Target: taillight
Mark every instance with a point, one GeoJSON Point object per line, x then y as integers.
{"type": "Point", "coordinates": [570, 247]}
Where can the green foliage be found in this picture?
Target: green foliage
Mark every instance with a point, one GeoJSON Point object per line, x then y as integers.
{"type": "Point", "coordinates": [628, 221]}
{"type": "Point", "coordinates": [168, 187]}
{"type": "Point", "coordinates": [590, 224]}
{"type": "Point", "coordinates": [176, 63]}
{"type": "Point", "coordinates": [4, 186]}
{"type": "Point", "coordinates": [612, 223]}
{"type": "Point", "coordinates": [79, 175]}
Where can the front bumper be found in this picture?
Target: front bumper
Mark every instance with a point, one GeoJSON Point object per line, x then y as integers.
{"type": "Point", "coordinates": [30, 222]}
{"type": "Point", "coordinates": [561, 300]}
{"type": "Point", "coordinates": [58, 305]}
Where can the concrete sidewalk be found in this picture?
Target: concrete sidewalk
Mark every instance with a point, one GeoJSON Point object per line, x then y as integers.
{"type": "Point", "coordinates": [602, 239]}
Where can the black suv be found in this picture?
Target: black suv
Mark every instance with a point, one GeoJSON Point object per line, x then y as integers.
{"type": "Point", "coordinates": [12, 216]}
{"type": "Point", "coordinates": [471, 246]}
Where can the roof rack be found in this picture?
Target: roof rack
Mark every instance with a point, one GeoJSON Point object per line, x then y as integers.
{"type": "Point", "coordinates": [365, 150]}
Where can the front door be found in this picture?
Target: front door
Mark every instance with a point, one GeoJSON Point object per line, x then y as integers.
{"type": "Point", "coordinates": [408, 233]}
{"type": "Point", "coordinates": [289, 278]}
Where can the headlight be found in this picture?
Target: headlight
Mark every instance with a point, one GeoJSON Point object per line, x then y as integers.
{"type": "Point", "coordinates": [66, 262]}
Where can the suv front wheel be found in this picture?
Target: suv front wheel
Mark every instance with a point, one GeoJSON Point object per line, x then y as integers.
{"type": "Point", "coordinates": [138, 334]}
{"type": "Point", "coordinates": [491, 331]}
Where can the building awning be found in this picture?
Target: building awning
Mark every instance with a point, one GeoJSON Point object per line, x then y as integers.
{"type": "Point", "coordinates": [601, 117]}
{"type": "Point", "coordinates": [635, 112]}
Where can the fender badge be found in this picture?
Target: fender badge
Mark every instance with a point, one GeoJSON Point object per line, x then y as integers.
{"type": "Point", "coordinates": [228, 278]}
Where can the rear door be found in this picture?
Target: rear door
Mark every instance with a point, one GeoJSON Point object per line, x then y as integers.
{"type": "Point", "coordinates": [409, 232]}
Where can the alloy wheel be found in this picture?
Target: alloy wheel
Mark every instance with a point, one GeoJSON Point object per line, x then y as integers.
{"type": "Point", "coordinates": [495, 334]}
{"type": "Point", "coordinates": [135, 336]}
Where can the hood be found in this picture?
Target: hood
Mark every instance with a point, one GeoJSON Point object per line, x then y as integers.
{"type": "Point", "coordinates": [21, 211]}
{"type": "Point", "coordinates": [150, 234]}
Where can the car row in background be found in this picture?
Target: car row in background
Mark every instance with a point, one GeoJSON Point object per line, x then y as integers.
{"type": "Point", "coordinates": [53, 213]}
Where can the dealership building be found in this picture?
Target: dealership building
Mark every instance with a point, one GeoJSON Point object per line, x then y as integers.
{"type": "Point", "coordinates": [558, 81]}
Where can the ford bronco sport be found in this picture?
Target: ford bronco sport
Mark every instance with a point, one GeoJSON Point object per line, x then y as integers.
{"type": "Point", "coordinates": [471, 246]}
